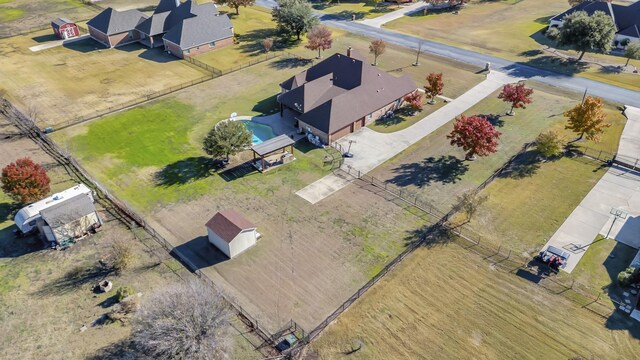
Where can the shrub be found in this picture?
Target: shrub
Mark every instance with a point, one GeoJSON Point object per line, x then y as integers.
{"type": "Point", "coordinates": [124, 292]}
{"type": "Point", "coordinates": [123, 256]}
{"type": "Point", "coordinates": [549, 143]}
{"type": "Point", "coordinates": [627, 277]}
{"type": "Point", "coordinates": [552, 33]}
{"type": "Point", "coordinates": [625, 42]}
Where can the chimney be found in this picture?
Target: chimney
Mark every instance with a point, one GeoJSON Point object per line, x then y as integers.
{"type": "Point", "coordinates": [349, 51]}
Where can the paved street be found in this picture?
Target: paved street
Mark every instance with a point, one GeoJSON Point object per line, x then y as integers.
{"type": "Point", "coordinates": [574, 83]}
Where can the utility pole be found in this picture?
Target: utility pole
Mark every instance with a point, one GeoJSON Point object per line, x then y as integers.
{"type": "Point", "coordinates": [418, 54]}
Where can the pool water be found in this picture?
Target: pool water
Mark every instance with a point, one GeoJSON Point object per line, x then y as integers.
{"type": "Point", "coordinates": [260, 132]}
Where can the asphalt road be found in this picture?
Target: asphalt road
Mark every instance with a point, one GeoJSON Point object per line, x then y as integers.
{"type": "Point", "coordinates": [574, 83]}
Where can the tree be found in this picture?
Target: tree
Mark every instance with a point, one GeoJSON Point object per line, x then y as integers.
{"type": "Point", "coordinates": [377, 48]}
{"type": "Point", "coordinates": [267, 44]}
{"type": "Point", "coordinates": [587, 33]}
{"type": "Point", "coordinates": [294, 17]}
{"type": "Point", "coordinates": [319, 38]}
{"type": "Point", "coordinates": [434, 86]}
{"type": "Point", "coordinates": [553, 33]}
{"type": "Point", "coordinates": [227, 138]}
{"type": "Point", "coordinates": [632, 52]}
{"type": "Point", "coordinates": [184, 321]}
{"type": "Point", "coordinates": [587, 119]}
{"type": "Point", "coordinates": [236, 4]}
{"type": "Point", "coordinates": [517, 95]}
{"type": "Point", "coordinates": [475, 135]}
{"type": "Point", "coordinates": [414, 100]}
{"type": "Point", "coordinates": [549, 143]}
{"type": "Point", "coordinates": [25, 181]}
{"type": "Point", "coordinates": [451, 3]}
{"type": "Point", "coordinates": [470, 202]}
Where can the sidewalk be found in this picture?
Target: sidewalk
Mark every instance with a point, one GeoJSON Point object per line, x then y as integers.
{"type": "Point", "coordinates": [629, 149]}
{"type": "Point", "coordinates": [388, 17]}
{"type": "Point", "coordinates": [372, 148]}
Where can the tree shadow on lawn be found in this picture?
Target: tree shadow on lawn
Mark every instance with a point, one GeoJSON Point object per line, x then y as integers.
{"type": "Point", "coordinates": [344, 15]}
{"type": "Point", "coordinates": [445, 169]}
{"type": "Point", "coordinates": [433, 235]}
{"type": "Point", "coordinates": [291, 63]}
{"type": "Point", "coordinates": [398, 117]}
{"type": "Point", "coordinates": [494, 119]}
{"type": "Point", "coordinates": [524, 165]}
{"type": "Point", "coordinates": [75, 278]}
{"type": "Point", "coordinates": [123, 349]}
{"type": "Point", "coordinates": [251, 41]}
{"type": "Point", "coordinates": [187, 170]}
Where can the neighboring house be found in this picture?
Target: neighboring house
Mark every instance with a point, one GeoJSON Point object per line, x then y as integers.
{"type": "Point", "coordinates": [68, 220]}
{"type": "Point", "coordinates": [340, 95]}
{"type": "Point", "coordinates": [183, 28]}
{"type": "Point", "coordinates": [626, 18]}
{"type": "Point", "coordinates": [231, 232]}
{"type": "Point", "coordinates": [65, 28]}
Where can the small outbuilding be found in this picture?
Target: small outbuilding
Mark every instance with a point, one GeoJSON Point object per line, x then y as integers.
{"type": "Point", "coordinates": [231, 232]}
{"type": "Point", "coordinates": [65, 28]}
{"type": "Point", "coordinates": [64, 222]}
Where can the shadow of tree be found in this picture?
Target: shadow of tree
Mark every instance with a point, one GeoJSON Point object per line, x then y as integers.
{"type": "Point", "coordinates": [611, 69]}
{"type": "Point", "coordinates": [433, 235]}
{"type": "Point", "coordinates": [494, 119]}
{"type": "Point", "coordinates": [251, 41]}
{"type": "Point", "coordinates": [187, 170]}
{"type": "Point", "coordinates": [344, 15]}
{"type": "Point", "coordinates": [399, 116]}
{"type": "Point", "coordinates": [524, 165]}
{"type": "Point", "coordinates": [531, 53]}
{"type": "Point", "coordinates": [121, 350]}
{"type": "Point", "coordinates": [290, 63]}
{"type": "Point", "coordinates": [445, 169]}
{"type": "Point", "coordinates": [77, 277]}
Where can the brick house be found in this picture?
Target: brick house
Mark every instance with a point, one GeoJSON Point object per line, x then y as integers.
{"type": "Point", "coordinates": [340, 95]}
{"type": "Point", "coordinates": [183, 28]}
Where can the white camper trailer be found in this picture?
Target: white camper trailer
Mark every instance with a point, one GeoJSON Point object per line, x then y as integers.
{"type": "Point", "coordinates": [26, 219]}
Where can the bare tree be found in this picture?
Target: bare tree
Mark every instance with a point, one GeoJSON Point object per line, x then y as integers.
{"type": "Point", "coordinates": [185, 321]}
{"type": "Point", "coordinates": [470, 202]}
{"type": "Point", "coordinates": [377, 48]}
{"type": "Point", "coordinates": [267, 44]}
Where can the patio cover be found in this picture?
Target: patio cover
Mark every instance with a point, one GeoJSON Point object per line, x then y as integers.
{"type": "Point", "coordinates": [271, 145]}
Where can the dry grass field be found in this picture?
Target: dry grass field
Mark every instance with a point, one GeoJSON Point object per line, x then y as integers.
{"type": "Point", "coordinates": [511, 30]}
{"type": "Point", "coordinates": [45, 295]}
{"type": "Point", "coordinates": [65, 82]}
{"type": "Point", "coordinates": [447, 303]}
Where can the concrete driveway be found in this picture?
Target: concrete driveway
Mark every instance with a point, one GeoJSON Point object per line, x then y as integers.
{"type": "Point", "coordinates": [56, 43]}
{"type": "Point", "coordinates": [611, 208]}
{"type": "Point", "coordinates": [373, 148]}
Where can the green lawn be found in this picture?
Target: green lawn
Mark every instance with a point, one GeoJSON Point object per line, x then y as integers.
{"type": "Point", "coordinates": [151, 155]}
{"type": "Point", "coordinates": [346, 9]}
{"type": "Point", "coordinates": [253, 25]}
{"type": "Point", "coordinates": [437, 172]}
{"type": "Point", "coordinates": [509, 30]}
{"type": "Point", "coordinates": [404, 118]}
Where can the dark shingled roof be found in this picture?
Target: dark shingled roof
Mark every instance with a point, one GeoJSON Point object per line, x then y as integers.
{"type": "Point", "coordinates": [200, 30]}
{"type": "Point", "coordinates": [154, 25]}
{"type": "Point", "coordinates": [68, 211]}
{"type": "Point", "coordinates": [626, 18]}
{"type": "Point", "coordinates": [111, 21]}
{"type": "Point", "coordinates": [340, 90]}
{"type": "Point", "coordinates": [228, 224]}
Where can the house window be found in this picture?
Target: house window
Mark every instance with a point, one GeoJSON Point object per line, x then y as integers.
{"type": "Point", "coordinates": [187, 51]}
{"type": "Point", "coordinates": [212, 44]}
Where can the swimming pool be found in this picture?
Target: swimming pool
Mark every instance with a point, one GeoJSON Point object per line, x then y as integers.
{"type": "Point", "coordinates": [260, 132]}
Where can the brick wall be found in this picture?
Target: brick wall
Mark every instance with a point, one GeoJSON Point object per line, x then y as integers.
{"type": "Point", "coordinates": [98, 36]}
{"type": "Point", "coordinates": [124, 38]}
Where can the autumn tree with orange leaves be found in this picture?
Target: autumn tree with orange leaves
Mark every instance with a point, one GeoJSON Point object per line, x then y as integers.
{"type": "Point", "coordinates": [587, 119]}
{"type": "Point", "coordinates": [434, 86]}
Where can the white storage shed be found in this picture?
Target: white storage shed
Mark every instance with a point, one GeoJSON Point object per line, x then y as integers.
{"type": "Point", "coordinates": [230, 232]}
